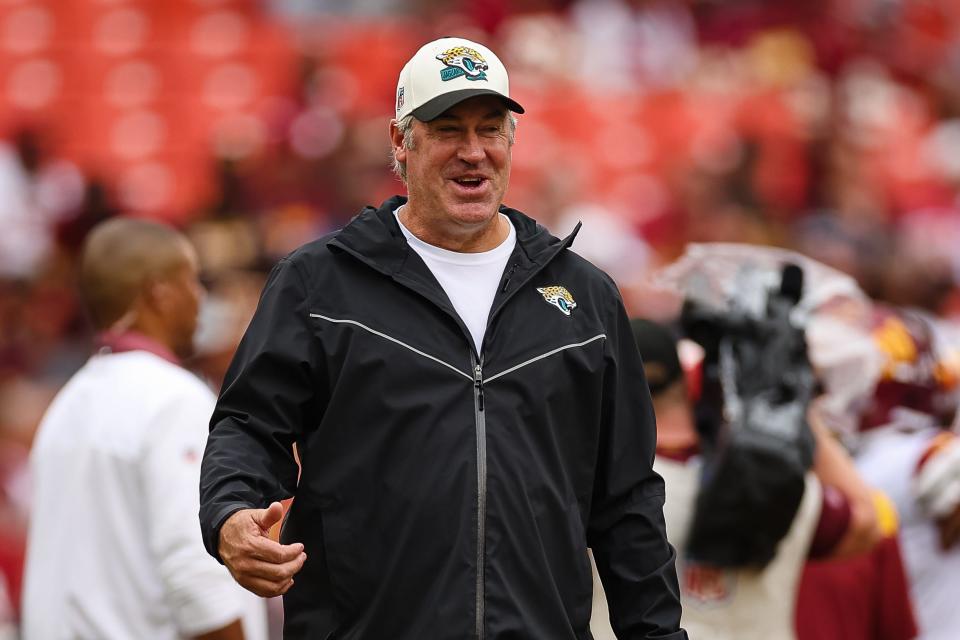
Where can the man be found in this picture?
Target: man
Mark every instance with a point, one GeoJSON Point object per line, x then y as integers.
{"type": "Point", "coordinates": [113, 548]}
{"type": "Point", "coordinates": [459, 388]}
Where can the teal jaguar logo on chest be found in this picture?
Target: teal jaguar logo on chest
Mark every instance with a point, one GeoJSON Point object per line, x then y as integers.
{"type": "Point", "coordinates": [558, 297]}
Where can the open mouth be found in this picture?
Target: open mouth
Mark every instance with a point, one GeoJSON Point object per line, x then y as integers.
{"type": "Point", "coordinates": [470, 183]}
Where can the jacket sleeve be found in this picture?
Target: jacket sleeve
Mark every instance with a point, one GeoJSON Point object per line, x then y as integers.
{"type": "Point", "coordinates": [626, 530]}
{"type": "Point", "coordinates": [269, 397]}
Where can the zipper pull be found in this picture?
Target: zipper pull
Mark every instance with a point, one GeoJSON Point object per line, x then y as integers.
{"type": "Point", "coordinates": [506, 281]}
{"type": "Point", "coordinates": [478, 385]}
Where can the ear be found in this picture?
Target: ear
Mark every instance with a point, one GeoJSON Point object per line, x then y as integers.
{"type": "Point", "coordinates": [158, 294]}
{"type": "Point", "coordinates": [396, 140]}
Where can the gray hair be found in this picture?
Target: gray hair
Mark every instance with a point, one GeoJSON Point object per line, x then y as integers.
{"type": "Point", "coordinates": [405, 127]}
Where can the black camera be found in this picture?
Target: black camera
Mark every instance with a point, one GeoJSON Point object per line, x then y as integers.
{"type": "Point", "coordinates": [752, 418]}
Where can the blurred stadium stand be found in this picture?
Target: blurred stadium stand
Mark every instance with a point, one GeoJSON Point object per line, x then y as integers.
{"type": "Point", "coordinates": [831, 127]}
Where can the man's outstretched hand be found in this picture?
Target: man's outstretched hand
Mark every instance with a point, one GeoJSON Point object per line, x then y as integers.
{"type": "Point", "coordinates": [257, 563]}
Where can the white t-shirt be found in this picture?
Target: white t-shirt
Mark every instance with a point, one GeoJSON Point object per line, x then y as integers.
{"type": "Point", "coordinates": [114, 548]}
{"type": "Point", "coordinates": [470, 280]}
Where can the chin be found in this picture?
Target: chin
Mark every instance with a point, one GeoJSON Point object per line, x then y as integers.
{"type": "Point", "coordinates": [474, 212]}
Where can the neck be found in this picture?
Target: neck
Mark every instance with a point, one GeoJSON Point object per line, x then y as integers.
{"type": "Point", "coordinates": [152, 328]}
{"type": "Point", "coordinates": [132, 340]}
{"type": "Point", "coordinates": [461, 238]}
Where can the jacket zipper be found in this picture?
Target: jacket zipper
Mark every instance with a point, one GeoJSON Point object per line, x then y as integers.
{"type": "Point", "coordinates": [481, 424]}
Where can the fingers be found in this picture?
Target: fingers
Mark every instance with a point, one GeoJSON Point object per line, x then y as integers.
{"type": "Point", "coordinates": [264, 578]}
{"type": "Point", "coordinates": [266, 589]}
{"type": "Point", "coordinates": [257, 562]}
{"type": "Point", "coordinates": [244, 530]}
{"type": "Point", "coordinates": [275, 573]}
{"type": "Point", "coordinates": [268, 550]}
{"type": "Point", "coordinates": [235, 549]}
{"type": "Point", "coordinates": [268, 517]}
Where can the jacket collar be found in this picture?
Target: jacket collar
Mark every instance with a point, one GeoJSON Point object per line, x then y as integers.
{"type": "Point", "coordinates": [374, 237]}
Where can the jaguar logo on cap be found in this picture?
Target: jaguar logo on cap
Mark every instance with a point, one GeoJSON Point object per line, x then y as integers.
{"type": "Point", "coordinates": [463, 61]}
{"type": "Point", "coordinates": [444, 72]}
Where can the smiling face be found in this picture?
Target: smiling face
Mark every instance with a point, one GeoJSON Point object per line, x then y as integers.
{"type": "Point", "coordinates": [458, 168]}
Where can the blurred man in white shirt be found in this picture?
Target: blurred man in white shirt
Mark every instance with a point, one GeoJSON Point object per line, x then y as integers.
{"type": "Point", "coordinates": [114, 550]}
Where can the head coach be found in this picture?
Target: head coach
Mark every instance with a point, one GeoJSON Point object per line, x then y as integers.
{"type": "Point", "coordinates": [461, 390]}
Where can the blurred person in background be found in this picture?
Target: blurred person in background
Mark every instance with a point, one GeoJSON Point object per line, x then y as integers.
{"type": "Point", "coordinates": [37, 193]}
{"type": "Point", "coordinates": [902, 432]}
{"type": "Point", "coordinates": [230, 303]}
{"type": "Point", "coordinates": [460, 391]}
{"type": "Point", "coordinates": [834, 518]}
{"type": "Point", "coordinates": [113, 548]}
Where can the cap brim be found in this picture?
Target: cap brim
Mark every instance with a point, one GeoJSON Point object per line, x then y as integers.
{"type": "Point", "coordinates": [430, 110]}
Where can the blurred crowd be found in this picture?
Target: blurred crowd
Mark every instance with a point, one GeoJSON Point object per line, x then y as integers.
{"type": "Point", "coordinates": [829, 127]}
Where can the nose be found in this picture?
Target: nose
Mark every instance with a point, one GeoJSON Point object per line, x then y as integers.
{"type": "Point", "coordinates": [471, 148]}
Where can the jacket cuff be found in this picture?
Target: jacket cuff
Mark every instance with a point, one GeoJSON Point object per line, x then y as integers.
{"type": "Point", "coordinates": [211, 537]}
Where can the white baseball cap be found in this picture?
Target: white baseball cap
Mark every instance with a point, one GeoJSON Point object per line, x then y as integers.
{"type": "Point", "coordinates": [447, 71]}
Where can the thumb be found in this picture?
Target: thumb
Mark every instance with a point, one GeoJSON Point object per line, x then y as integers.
{"type": "Point", "coordinates": [266, 518]}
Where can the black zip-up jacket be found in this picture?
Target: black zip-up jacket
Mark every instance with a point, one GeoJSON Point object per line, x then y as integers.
{"type": "Point", "coordinates": [445, 493]}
